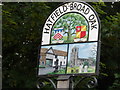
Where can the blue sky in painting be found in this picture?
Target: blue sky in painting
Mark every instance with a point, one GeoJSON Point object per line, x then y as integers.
{"type": "Point", "coordinates": [57, 47]}
{"type": "Point", "coordinates": [85, 49]}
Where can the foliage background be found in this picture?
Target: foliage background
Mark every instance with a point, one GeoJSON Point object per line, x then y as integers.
{"type": "Point", "coordinates": [22, 26]}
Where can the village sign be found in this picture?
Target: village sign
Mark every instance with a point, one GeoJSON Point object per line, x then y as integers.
{"type": "Point", "coordinates": [70, 41]}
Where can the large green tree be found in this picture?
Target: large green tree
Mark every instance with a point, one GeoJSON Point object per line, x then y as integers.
{"type": "Point", "coordinates": [69, 22]}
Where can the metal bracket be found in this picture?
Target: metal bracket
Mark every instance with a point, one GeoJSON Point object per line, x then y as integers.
{"type": "Point", "coordinates": [90, 82]}
{"type": "Point", "coordinates": [43, 81]}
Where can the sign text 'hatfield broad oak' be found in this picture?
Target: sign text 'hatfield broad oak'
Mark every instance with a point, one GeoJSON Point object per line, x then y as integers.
{"type": "Point", "coordinates": [70, 41]}
{"type": "Point", "coordinates": [71, 17]}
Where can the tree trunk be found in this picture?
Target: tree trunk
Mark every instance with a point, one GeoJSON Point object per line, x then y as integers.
{"type": "Point", "coordinates": [69, 34]}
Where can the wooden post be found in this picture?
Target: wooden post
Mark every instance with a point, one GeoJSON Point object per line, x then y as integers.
{"type": "Point", "coordinates": [63, 82]}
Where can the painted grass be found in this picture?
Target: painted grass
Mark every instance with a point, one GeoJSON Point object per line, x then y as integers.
{"type": "Point", "coordinates": [76, 70]}
{"type": "Point", "coordinates": [61, 71]}
{"type": "Point", "coordinates": [42, 66]}
{"type": "Point", "coordinates": [73, 69]}
{"type": "Point", "coordinates": [91, 70]}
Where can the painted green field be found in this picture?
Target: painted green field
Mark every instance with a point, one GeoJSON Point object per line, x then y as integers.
{"type": "Point", "coordinates": [75, 70]}
{"type": "Point", "coordinates": [61, 71]}
{"type": "Point", "coordinates": [91, 70]}
{"type": "Point", "coordinates": [72, 70]}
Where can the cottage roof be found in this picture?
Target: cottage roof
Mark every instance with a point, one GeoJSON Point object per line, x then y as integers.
{"type": "Point", "coordinates": [56, 52]}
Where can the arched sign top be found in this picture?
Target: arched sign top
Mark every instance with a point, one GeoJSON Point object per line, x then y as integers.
{"type": "Point", "coordinates": [70, 41]}
{"type": "Point", "coordinates": [71, 22]}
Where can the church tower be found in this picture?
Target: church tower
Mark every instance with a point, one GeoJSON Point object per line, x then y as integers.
{"type": "Point", "coordinates": [74, 56]}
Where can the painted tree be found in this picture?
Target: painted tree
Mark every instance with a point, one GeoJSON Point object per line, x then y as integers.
{"type": "Point", "coordinates": [69, 22]}
{"type": "Point", "coordinates": [94, 51]}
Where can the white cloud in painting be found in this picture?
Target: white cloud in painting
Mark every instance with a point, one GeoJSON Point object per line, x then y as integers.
{"type": "Point", "coordinates": [85, 49]}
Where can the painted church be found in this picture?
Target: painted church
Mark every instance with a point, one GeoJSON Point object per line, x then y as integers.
{"type": "Point", "coordinates": [75, 60]}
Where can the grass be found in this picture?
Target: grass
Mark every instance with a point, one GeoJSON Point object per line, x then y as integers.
{"type": "Point", "coordinates": [76, 70]}
{"type": "Point", "coordinates": [41, 66]}
{"type": "Point", "coordinates": [61, 71]}
{"type": "Point", "coordinates": [91, 70]}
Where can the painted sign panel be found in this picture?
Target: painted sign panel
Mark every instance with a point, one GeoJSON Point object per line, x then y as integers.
{"type": "Point", "coordinates": [74, 58]}
{"type": "Point", "coordinates": [53, 62]}
{"type": "Point", "coordinates": [71, 22]}
{"type": "Point", "coordinates": [70, 41]}
{"type": "Point", "coordinates": [82, 58]}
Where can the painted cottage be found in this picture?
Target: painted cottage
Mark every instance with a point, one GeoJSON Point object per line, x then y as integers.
{"type": "Point", "coordinates": [47, 57]}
